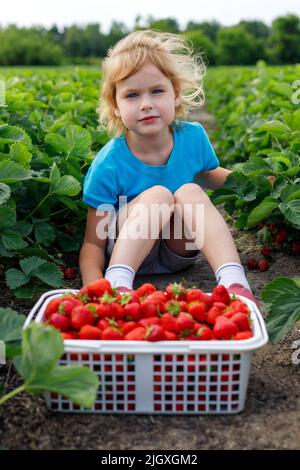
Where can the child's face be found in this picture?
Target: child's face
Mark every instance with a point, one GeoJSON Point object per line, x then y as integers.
{"type": "Point", "coordinates": [146, 93]}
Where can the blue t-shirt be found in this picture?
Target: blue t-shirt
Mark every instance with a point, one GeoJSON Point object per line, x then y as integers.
{"type": "Point", "coordinates": [116, 171]}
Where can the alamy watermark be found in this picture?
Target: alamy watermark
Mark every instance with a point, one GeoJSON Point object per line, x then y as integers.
{"type": "Point", "coordinates": [142, 221]}
{"type": "Point", "coordinates": [296, 94]}
{"type": "Point", "coordinates": [296, 353]}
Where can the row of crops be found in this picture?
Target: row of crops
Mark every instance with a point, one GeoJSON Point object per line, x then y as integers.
{"type": "Point", "coordinates": [49, 136]}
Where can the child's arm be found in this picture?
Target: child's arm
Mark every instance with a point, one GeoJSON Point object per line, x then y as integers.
{"type": "Point", "coordinates": [214, 179]}
{"type": "Point", "coordinates": [92, 253]}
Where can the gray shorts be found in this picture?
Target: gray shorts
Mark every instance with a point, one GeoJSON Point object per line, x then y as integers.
{"type": "Point", "coordinates": [160, 260]}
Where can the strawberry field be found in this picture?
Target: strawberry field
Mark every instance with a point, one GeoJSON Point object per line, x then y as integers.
{"type": "Point", "coordinates": [48, 138]}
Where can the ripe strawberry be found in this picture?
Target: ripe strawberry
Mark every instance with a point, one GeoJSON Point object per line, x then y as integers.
{"type": "Point", "coordinates": [149, 308]}
{"type": "Point", "coordinates": [212, 314]}
{"type": "Point", "coordinates": [112, 333]}
{"type": "Point", "coordinates": [266, 251]}
{"type": "Point", "coordinates": [81, 316]}
{"type": "Point", "coordinates": [221, 294]}
{"type": "Point", "coordinates": [198, 311]}
{"type": "Point", "coordinates": [69, 273]}
{"type": "Point", "coordinates": [62, 268]}
{"type": "Point", "coordinates": [89, 332]}
{"type": "Point", "coordinates": [243, 335]}
{"type": "Point", "coordinates": [263, 265]}
{"type": "Point", "coordinates": [272, 227]}
{"type": "Point", "coordinates": [52, 306]}
{"type": "Point", "coordinates": [129, 326]}
{"type": "Point", "coordinates": [70, 335]}
{"type": "Point", "coordinates": [138, 334]}
{"type": "Point", "coordinates": [67, 304]}
{"type": "Point", "coordinates": [193, 295]}
{"type": "Point", "coordinates": [238, 305]}
{"type": "Point", "coordinates": [170, 336]}
{"type": "Point", "coordinates": [241, 320]}
{"type": "Point", "coordinates": [149, 321]}
{"type": "Point", "coordinates": [184, 322]}
{"type": "Point", "coordinates": [98, 288]}
{"type": "Point", "coordinates": [132, 311]}
{"type": "Point", "coordinates": [224, 328]}
{"type": "Point", "coordinates": [204, 333]}
{"type": "Point", "coordinates": [252, 264]}
{"type": "Point", "coordinates": [60, 322]}
{"type": "Point", "coordinates": [176, 291]}
{"type": "Point", "coordinates": [155, 333]}
{"type": "Point", "coordinates": [281, 236]}
{"type": "Point", "coordinates": [168, 322]}
{"type": "Point", "coordinates": [69, 229]}
{"type": "Point", "coordinates": [296, 248]}
{"type": "Point", "coordinates": [146, 289]}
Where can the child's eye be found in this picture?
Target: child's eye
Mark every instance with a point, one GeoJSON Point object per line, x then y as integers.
{"type": "Point", "coordinates": [130, 95]}
{"type": "Point", "coordinates": [157, 89]}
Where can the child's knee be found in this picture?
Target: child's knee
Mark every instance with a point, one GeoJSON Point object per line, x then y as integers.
{"type": "Point", "coordinates": [186, 192]}
{"type": "Point", "coordinates": [159, 194]}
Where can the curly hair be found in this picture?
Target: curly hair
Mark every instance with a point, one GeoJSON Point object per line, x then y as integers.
{"type": "Point", "coordinates": [171, 53]}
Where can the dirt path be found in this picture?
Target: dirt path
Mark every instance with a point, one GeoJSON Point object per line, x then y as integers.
{"type": "Point", "coordinates": [270, 420]}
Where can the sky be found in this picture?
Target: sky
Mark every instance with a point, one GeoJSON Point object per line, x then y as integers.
{"type": "Point", "coordinates": [67, 12]}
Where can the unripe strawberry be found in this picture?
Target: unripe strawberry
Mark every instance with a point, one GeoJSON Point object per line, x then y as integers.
{"type": "Point", "coordinates": [263, 265]}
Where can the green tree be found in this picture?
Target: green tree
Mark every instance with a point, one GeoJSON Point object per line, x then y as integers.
{"type": "Point", "coordinates": [235, 46]}
{"type": "Point", "coordinates": [284, 43]}
{"type": "Point", "coordinates": [202, 45]}
{"type": "Point", "coordinates": [168, 25]}
{"type": "Point", "coordinates": [209, 28]}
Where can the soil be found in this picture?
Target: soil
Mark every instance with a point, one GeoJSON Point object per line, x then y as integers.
{"type": "Point", "coordinates": [270, 419]}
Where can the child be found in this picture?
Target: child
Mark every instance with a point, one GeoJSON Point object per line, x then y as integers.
{"type": "Point", "coordinates": [150, 81]}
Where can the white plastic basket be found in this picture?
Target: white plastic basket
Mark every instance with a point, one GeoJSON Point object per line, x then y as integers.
{"type": "Point", "coordinates": [165, 377]}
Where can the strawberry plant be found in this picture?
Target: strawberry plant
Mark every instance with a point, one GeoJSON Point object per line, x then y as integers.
{"type": "Point", "coordinates": [281, 299]}
{"type": "Point", "coordinates": [35, 352]}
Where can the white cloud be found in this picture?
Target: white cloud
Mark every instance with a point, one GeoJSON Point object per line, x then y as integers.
{"type": "Point", "coordinates": [66, 12]}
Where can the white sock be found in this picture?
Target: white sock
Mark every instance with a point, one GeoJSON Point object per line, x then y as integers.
{"type": "Point", "coordinates": [120, 275]}
{"type": "Point", "coordinates": [231, 273]}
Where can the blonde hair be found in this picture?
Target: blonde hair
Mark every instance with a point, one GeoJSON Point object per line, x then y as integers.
{"type": "Point", "coordinates": [171, 53]}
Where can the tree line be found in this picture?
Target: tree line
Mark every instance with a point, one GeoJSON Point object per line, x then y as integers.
{"type": "Point", "coordinates": [242, 44]}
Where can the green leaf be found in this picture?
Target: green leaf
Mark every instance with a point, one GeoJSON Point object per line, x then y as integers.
{"type": "Point", "coordinates": [67, 186]}
{"type": "Point", "coordinates": [79, 141]}
{"type": "Point", "coordinates": [276, 128]}
{"type": "Point", "coordinates": [291, 211]}
{"type": "Point", "coordinates": [4, 193]}
{"type": "Point", "coordinates": [11, 324]}
{"type": "Point", "coordinates": [49, 274]}
{"type": "Point", "coordinates": [78, 383]}
{"type": "Point", "coordinates": [54, 175]}
{"type": "Point", "coordinates": [290, 192]}
{"type": "Point", "coordinates": [7, 216]}
{"type": "Point", "coordinates": [44, 233]}
{"type": "Point", "coordinates": [262, 211]}
{"type": "Point", "coordinates": [67, 242]}
{"type": "Point", "coordinates": [15, 278]}
{"type": "Point", "coordinates": [282, 302]}
{"type": "Point", "coordinates": [12, 240]}
{"type": "Point", "coordinates": [30, 264]}
{"type": "Point", "coordinates": [12, 172]}
{"type": "Point", "coordinates": [11, 134]}
{"type": "Point", "coordinates": [57, 142]}
{"type": "Point", "coordinates": [42, 346]}
{"type": "Point", "coordinates": [20, 154]}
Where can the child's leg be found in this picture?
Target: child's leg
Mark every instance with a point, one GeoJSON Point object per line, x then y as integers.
{"type": "Point", "coordinates": [147, 214]}
{"type": "Point", "coordinates": [216, 242]}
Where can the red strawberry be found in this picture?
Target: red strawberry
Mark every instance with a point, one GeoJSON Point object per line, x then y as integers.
{"type": "Point", "coordinates": [70, 335]}
{"type": "Point", "coordinates": [239, 306]}
{"type": "Point", "coordinates": [281, 236]}
{"type": "Point", "coordinates": [98, 288]}
{"type": "Point", "coordinates": [243, 335]}
{"type": "Point", "coordinates": [67, 304]}
{"type": "Point", "coordinates": [52, 306]}
{"type": "Point", "coordinates": [129, 326]}
{"type": "Point", "coordinates": [204, 333]}
{"type": "Point", "coordinates": [252, 264]}
{"type": "Point", "coordinates": [149, 308]}
{"type": "Point", "coordinates": [176, 291]}
{"type": "Point", "coordinates": [241, 320]}
{"type": "Point", "coordinates": [112, 333]}
{"type": "Point", "coordinates": [60, 322]}
{"type": "Point", "coordinates": [138, 334]}
{"type": "Point", "coordinates": [155, 333]}
{"type": "Point", "coordinates": [198, 311]}
{"type": "Point", "coordinates": [263, 265]}
{"type": "Point", "coordinates": [184, 322]}
{"type": "Point", "coordinates": [296, 248]}
{"type": "Point", "coordinates": [168, 322]}
{"type": "Point", "coordinates": [146, 289]}
{"type": "Point", "coordinates": [69, 273]}
{"type": "Point", "coordinates": [69, 229]}
{"type": "Point", "coordinates": [149, 321]}
{"type": "Point", "coordinates": [193, 295]}
{"type": "Point", "coordinates": [221, 294]}
{"type": "Point", "coordinates": [212, 314]}
{"type": "Point", "coordinates": [170, 336]}
{"type": "Point", "coordinates": [224, 328]}
{"type": "Point", "coordinates": [266, 251]}
{"type": "Point", "coordinates": [89, 332]}
{"type": "Point", "coordinates": [132, 311]}
{"type": "Point", "coordinates": [81, 316]}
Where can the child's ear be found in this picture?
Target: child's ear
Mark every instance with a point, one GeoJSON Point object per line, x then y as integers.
{"type": "Point", "coordinates": [177, 101]}
{"type": "Point", "coordinates": [117, 112]}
